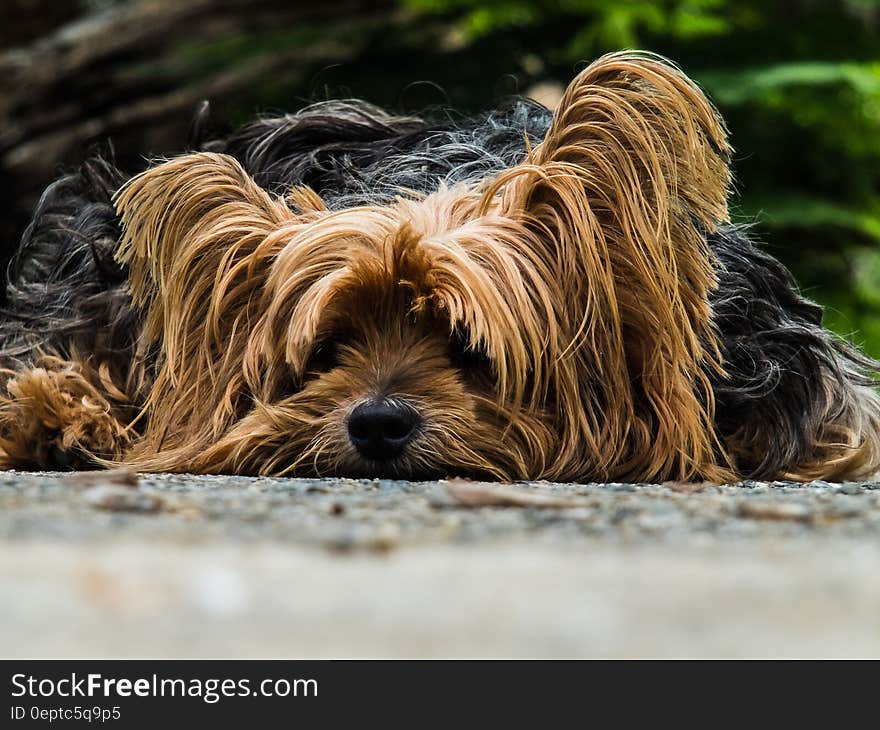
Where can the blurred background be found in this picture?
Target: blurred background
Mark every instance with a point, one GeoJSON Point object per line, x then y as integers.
{"type": "Point", "coordinates": [797, 80]}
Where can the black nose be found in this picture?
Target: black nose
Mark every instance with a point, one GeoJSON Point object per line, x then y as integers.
{"type": "Point", "coordinates": [380, 429]}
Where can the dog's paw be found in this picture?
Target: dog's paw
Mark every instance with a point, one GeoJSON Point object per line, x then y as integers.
{"type": "Point", "coordinates": [53, 418]}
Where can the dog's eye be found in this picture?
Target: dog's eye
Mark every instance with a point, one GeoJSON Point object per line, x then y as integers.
{"type": "Point", "coordinates": [324, 357]}
{"type": "Point", "coordinates": [286, 384]}
{"type": "Point", "coordinates": [465, 356]}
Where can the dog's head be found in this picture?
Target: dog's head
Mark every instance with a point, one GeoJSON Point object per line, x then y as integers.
{"type": "Point", "coordinates": [551, 322]}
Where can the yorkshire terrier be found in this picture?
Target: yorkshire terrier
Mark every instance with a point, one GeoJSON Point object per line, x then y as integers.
{"type": "Point", "coordinates": [344, 292]}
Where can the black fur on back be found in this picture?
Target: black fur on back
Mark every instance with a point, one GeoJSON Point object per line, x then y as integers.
{"type": "Point", "coordinates": [65, 291]}
{"type": "Point", "coordinates": [353, 153]}
{"type": "Point", "coordinates": [776, 354]}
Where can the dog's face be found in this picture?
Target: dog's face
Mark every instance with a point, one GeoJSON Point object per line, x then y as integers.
{"type": "Point", "coordinates": [552, 322]}
{"type": "Point", "coordinates": [400, 342]}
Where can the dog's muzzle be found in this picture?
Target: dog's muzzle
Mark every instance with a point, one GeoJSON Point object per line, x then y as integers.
{"type": "Point", "coordinates": [380, 429]}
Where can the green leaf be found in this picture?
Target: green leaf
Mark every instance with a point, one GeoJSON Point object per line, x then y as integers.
{"type": "Point", "coordinates": [737, 87]}
{"type": "Point", "coordinates": [801, 211]}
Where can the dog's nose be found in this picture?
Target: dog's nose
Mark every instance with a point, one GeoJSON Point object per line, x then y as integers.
{"type": "Point", "coordinates": [380, 429]}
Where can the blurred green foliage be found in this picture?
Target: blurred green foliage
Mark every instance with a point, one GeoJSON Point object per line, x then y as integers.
{"type": "Point", "coordinates": [797, 81]}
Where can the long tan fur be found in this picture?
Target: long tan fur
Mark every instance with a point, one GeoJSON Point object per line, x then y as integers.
{"type": "Point", "coordinates": [632, 175]}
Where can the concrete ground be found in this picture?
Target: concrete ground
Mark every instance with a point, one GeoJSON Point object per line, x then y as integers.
{"type": "Point", "coordinates": [115, 565]}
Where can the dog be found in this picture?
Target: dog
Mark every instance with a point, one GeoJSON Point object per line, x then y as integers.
{"type": "Point", "coordinates": [345, 292]}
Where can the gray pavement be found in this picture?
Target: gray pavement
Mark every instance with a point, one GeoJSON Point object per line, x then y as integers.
{"type": "Point", "coordinates": [116, 565]}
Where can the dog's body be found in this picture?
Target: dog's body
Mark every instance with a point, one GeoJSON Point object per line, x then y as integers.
{"type": "Point", "coordinates": [343, 292]}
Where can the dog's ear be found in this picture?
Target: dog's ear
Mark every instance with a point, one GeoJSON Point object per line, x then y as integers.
{"type": "Point", "coordinates": [198, 242]}
{"type": "Point", "coordinates": [192, 232]}
{"type": "Point", "coordinates": [618, 197]}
